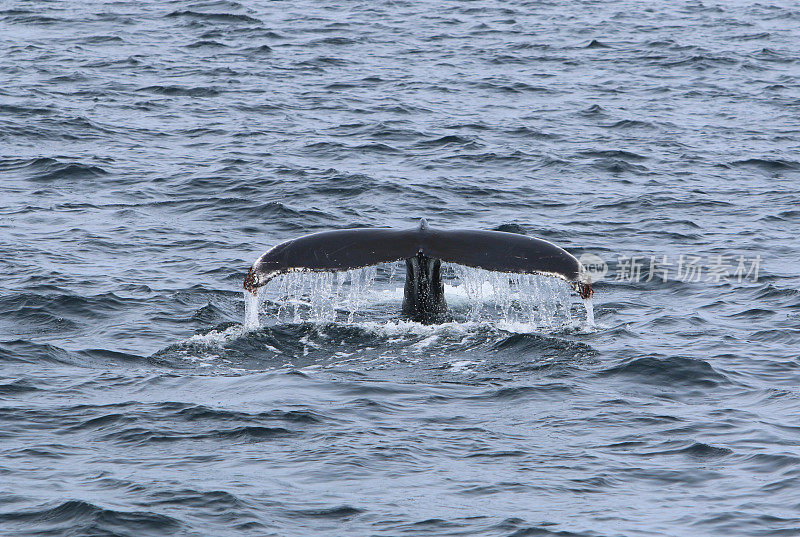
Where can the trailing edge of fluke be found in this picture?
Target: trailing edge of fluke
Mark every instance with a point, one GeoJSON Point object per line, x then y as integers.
{"type": "Point", "coordinates": [423, 249]}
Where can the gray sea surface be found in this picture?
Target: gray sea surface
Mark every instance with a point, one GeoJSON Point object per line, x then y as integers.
{"type": "Point", "coordinates": [151, 151]}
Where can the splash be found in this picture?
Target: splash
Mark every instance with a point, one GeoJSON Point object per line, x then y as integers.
{"type": "Point", "coordinates": [367, 294]}
{"type": "Point", "coordinates": [589, 312]}
{"type": "Point", "coordinates": [538, 300]}
{"type": "Point", "coordinates": [316, 296]}
{"type": "Point", "coordinates": [251, 305]}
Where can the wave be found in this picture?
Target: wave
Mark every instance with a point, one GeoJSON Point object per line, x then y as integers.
{"type": "Point", "coordinates": [341, 512]}
{"type": "Point", "coordinates": [769, 165]}
{"type": "Point", "coordinates": [21, 16]}
{"type": "Point", "coordinates": [613, 154]}
{"type": "Point", "coordinates": [631, 124]}
{"type": "Point", "coordinates": [786, 336]}
{"type": "Point", "coordinates": [88, 518]}
{"type": "Point", "coordinates": [323, 61]}
{"type": "Point", "coordinates": [58, 313]}
{"type": "Point", "coordinates": [25, 111]}
{"type": "Point", "coordinates": [141, 436]}
{"type": "Point", "coordinates": [529, 132]}
{"type": "Point", "coordinates": [597, 44]}
{"type": "Point", "coordinates": [697, 450]}
{"type": "Point", "coordinates": [260, 49]}
{"type": "Point", "coordinates": [377, 148]}
{"type": "Point", "coordinates": [335, 40]}
{"type": "Point", "coordinates": [539, 343]}
{"type": "Point", "coordinates": [24, 351]}
{"type": "Point", "coordinates": [97, 39]}
{"type": "Point", "coordinates": [513, 87]}
{"type": "Point", "coordinates": [702, 61]}
{"type": "Point", "coordinates": [46, 169]}
{"type": "Point", "coordinates": [182, 91]}
{"type": "Point", "coordinates": [672, 371]}
{"type": "Point", "coordinates": [615, 165]}
{"type": "Point", "coordinates": [541, 391]}
{"type": "Point", "coordinates": [443, 141]}
{"type": "Point", "coordinates": [213, 17]}
{"type": "Point", "coordinates": [771, 462]}
{"type": "Point", "coordinates": [594, 110]}
{"type": "Point", "coordinates": [206, 43]}
{"type": "Point", "coordinates": [16, 387]}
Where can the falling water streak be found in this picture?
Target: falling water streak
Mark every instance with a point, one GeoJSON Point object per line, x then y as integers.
{"type": "Point", "coordinates": [251, 307]}
{"type": "Point", "coordinates": [319, 296]}
{"type": "Point", "coordinates": [535, 300]}
{"type": "Point", "coordinates": [589, 312]}
{"type": "Point", "coordinates": [392, 272]}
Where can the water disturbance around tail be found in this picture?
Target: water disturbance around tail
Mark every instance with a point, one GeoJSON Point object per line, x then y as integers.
{"type": "Point", "coordinates": [371, 293]}
{"type": "Point", "coordinates": [589, 305]}
{"type": "Point", "coordinates": [251, 321]}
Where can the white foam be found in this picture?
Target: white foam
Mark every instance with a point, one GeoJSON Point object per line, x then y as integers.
{"type": "Point", "coordinates": [462, 366]}
{"type": "Point", "coordinates": [403, 327]}
{"type": "Point", "coordinates": [427, 342]}
{"type": "Point", "coordinates": [215, 338]}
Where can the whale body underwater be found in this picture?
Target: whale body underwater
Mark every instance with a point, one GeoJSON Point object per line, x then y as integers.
{"type": "Point", "coordinates": [423, 249]}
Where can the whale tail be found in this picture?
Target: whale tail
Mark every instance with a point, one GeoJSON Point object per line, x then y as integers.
{"type": "Point", "coordinates": [347, 249]}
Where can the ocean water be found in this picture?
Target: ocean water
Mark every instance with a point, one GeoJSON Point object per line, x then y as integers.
{"type": "Point", "coordinates": [150, 151]}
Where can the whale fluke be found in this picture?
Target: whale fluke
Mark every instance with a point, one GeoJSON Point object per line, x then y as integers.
{"type": "Point", "coordinates": [423, 248]}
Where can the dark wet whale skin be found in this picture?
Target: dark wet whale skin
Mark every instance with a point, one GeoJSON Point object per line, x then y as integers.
{"type": "Point", "coordinates": [347, 249]}
{"type": "Point", "coordinates": [423, 292]}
